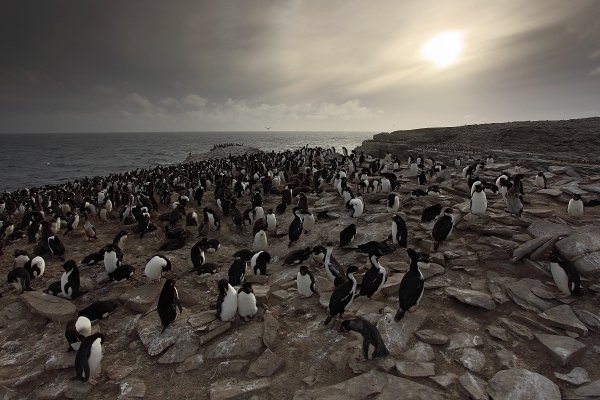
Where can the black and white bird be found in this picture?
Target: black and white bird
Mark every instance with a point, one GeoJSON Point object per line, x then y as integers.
{"type": "Point", "coordinates": [305, 282]}
{"type": "Point", "coordinates": [332, 269]}
{"type": "Point", "coordinates": [575, 207]}
{"type": "Point", "coordinates": [168, 302]}
{"type": "Point", "coordinates": [237, 272]}
{"type": "Point", "coordinates": [227, 301]}
{"type": "Point", "coordinates": [565, 275]}
{"type": "Point", "coordinates": [412, 284]}
{"type": "Point", "coordinates": [374, 278]}
{"type": "Point", "coordinates": [343, 295]}
{"type": "Point", "coordinates": [76, 330]}
{"type": "Point", "coordinates": [347, 235]}
{"type": "Point", "coordinates": [393, 203]}
{"type": "Point", "coordinates": [246, 306]}
{"type": "Point", "coordinates": [399, 231]}
{"type": "Point", "coordinates": [89, 358]}
{"type": "Point", "coordinates": [56, 247]}
{"type": "Point", "coordinates": [113, 257]}
{"type": "Point", "coordinates": [259, 262]}
{"type": "Point", "coordinates": [296, 228]}
{"type": "Point", "coordinates": [156, 266]}
{"type": "Point", "coordinates": [442, 228]}
{"type": "Point", "coordinates": [372, 341]}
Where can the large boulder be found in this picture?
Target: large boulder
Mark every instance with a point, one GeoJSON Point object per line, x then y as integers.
{"type": "Point", "coordinates": [51, 307]}
{"type": "Point", "coordinates": [583, 250]}
{"type": "Point", "coordinates": [522, 384]}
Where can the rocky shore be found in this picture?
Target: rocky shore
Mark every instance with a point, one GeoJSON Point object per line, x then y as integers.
{"type": "Point", "coordinates": [491, 324]}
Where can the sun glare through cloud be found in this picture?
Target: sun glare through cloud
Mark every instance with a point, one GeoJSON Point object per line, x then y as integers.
{"type": "Point", "coordinates": [443, 49]}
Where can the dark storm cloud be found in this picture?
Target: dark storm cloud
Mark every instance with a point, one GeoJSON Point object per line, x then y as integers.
{"type": "Point", "coordinates": [193, 65]}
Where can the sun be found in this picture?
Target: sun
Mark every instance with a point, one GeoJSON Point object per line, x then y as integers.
{"type": "Point", "coordinates": [443, 49]}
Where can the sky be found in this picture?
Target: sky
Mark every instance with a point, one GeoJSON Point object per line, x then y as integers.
{"type": "Point", "coordinates": [245, 65]}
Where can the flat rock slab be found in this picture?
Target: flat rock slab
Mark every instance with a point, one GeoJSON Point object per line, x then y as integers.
{"type": "Point", "coordinates": [472, 297]}
{"type": "Point", "coordinates": [265, 365]}
{"type": "Point", "coordinates": [149, 330]}
{"type": "Point", "coordinates": [577, 376]}
{"type": "Point", "coordinates": [472, 359]}
{"type": "Point", "coordinates": [140, 299]}
{"type": "Point", "coordinates": [431, 337]}
{"type": "Point", "coordinates": [542, 227]}
{"type": "Point", "coordinates": [201, 321]}
{"type": "Point", "coordinates": [132, 388]}
{"type": "Point", "coordinates": [529, 247]}
{"type": "Point", "coordinates": [589, 391]}
{"type": "Point", "coordinates": [520, 292]}
{"type": "Point", "coordinates": [233, 388]}
{"type": "Point", "coordinates": [51, 307]}
{"type": "Point", "coordinates": [420, 352]}
{"type": "Point", "coordinates": [385, 386]}
{"type": "Point", "coordinates": [60, 361]}
{"type": "Point", "coordinates": [463, 340]}
{"type": "Point", "coordinates": [243, 342]}
{"type": "Point", "coordinates": [550, 192]}
{"type": "Point", "coordinates": [396, 335]}
{"type": "Point", "coordinates": [563, 317]}
{"type": "Point", "coordinates": [563, 349]}
{"type": "Point", "coordinates": [475, 388]}
{"type": "Point", "coordinates": [415, 369]}
{"type": "Point", "coordinates": [521, 384]}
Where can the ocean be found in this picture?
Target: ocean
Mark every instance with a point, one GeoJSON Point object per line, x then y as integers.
{"type": "Point", "coordinates": [33, 159]}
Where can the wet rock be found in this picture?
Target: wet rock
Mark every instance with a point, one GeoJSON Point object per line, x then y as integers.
{"type": "Point", "coordinates": [51, 307]}
{"type": "Point", "coordinates": [521, 384]}
{"type": "Point", "coordinates": [415, 369]}
{"type": "Point", "coordinates": [463, 340]}
{"type": "Point", "coordinates": [520, 293]}
{"type": "Point", "coordinates": [431, 337]}
{"type": "Point", "coordinates": [472, 297]}
{"type": "Point", "coordinates": [475, 388]}
{"type": "Point", "coordinates": [563, 317]}
{"type": "Point", "coordinates": [132, 388]}
{"type": "Point", "coordinates": [472, 359]}
{"type": "Point", "coordinates": [577, 376]}
{"type": "Point", "coordinates": [191, 363]}
{"type": "Point", "coordinates": [242, 342]}
{"type": "Point", "coordinates": [562, 348]}
{"type": "Point", "coordinates": [396, 335]}
{"type": "Point", "coordinates": [266, 365]}
{"type": "Point", "coordinates": [233, 388]}
{"type": "Point", "coordinates": [420, 352]}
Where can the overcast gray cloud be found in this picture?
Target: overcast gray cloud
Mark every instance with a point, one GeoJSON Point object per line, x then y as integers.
{"type": "Point", "coordinates": [293, 65]}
